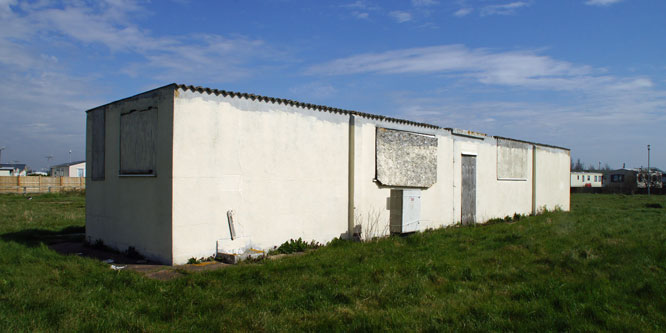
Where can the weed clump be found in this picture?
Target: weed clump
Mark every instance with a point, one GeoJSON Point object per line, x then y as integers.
{"type": "Point", "coordinates": [99, 245]}
{"type": "Point", "coordinates": [495, 221]}
{"type": "Point", "coordinates": [194, 260]}
{"type": "Point", "coordinates": [507, 219]}
{"type": "Point", "coordinates": [293, 246]}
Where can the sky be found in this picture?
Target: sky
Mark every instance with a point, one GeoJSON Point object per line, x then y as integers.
{"type": "Point", "coordinates": [589, 75]}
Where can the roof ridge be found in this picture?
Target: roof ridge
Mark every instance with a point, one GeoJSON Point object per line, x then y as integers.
{"type": "Point", "coordinates": [67, 164]}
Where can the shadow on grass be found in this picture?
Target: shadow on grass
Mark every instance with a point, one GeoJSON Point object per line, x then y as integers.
{"type": "Point", "coordinates": [33, 237]}
{"type": "Point", "coordinates": [71, 241]}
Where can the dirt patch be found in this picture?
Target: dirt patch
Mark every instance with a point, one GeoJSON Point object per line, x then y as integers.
{"type": "Point", "coordinates": [144, 267]}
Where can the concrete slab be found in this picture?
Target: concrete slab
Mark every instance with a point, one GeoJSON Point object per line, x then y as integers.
{"type": "Point", "coordinates": [233, 258]}
{"type": "Point", "coordinates": [144, 267]}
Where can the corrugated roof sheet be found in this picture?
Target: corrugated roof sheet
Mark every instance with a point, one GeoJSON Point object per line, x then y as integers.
{"type": "Point", "coordinates": [67, 164]}
{"type": "Point", "coordinates": [317, 107]}
{"type": "Point", "coordinates": [20, 166]}
{"type": "Point", "coordinates": [289, 102]}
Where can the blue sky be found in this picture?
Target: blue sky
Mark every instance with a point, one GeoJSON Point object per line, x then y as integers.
{"type": "Point", "coordinates": [584, 74]}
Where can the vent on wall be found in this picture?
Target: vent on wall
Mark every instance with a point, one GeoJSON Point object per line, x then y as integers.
{"type": "Point", "coordinates": [405, 209]}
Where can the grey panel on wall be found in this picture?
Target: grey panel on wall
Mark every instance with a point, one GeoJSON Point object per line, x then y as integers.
{"type": "Point", "coordinates": [98, 126]}
{"type": "Point", "coordinates": [405, 158]}
{"type": "Point", "coordinates": [138, 141]}
{"type": "Point", "coordinates": [468, 192]}
{"type": "Point", "coordinates": [511, 159]}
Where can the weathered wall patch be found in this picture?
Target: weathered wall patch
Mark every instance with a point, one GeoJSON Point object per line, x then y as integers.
{"type": "Point", "coordinates": [405, 158]}
{"type": "Point", "coordinates": [138, 141]}
{"type": "Point", "coordinates": [97, 120]}
{"type": "Point", "coordinates": [511, 159]}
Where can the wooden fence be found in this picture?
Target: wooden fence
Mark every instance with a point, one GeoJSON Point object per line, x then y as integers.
{"type": "Point", "coordinates": [37, 184]}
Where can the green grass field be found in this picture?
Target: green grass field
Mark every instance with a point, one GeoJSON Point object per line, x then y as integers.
{"type": "Point", "coordinates": [600, 267]}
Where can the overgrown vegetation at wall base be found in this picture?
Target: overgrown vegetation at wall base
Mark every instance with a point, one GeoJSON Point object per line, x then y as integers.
{"type": "Point", "coordinates": [292, 246]}
{"type": "Point", "coordinates": [599, 268]}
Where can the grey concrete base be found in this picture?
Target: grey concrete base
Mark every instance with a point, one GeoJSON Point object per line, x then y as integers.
{"type": "Point", "coordinates": [231, 258]}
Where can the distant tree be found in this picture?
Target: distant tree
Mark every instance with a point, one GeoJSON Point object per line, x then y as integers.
{"type": "Point", "coordinates": [606, 167]}
{"type": "Point", "coordinates": [578, 166]}
{"type": "Point", "coordinates": [592, 167]}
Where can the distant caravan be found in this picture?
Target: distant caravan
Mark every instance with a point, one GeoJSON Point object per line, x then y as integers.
{"type": "Point", "coordinates": [633, 181]}
{"type": "Point", "coordinates": [586, 182]}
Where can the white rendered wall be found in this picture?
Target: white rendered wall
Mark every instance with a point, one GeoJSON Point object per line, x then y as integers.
{"type": "Point", "coordinates": [504, 197]}
{"type": "Point", "coordinates": [371, 198]}
{"type": "Point", "coordinates": [494, 198]}
{"type": "Point", "coordinates": [441, 203]}
{"type": "Point", "coordinates": [132, 211]}
{"type": "Point", "coordinates": [553, 178]}
{"type": "Point", "coordinates": [73, 169]}
{"type": "Point", "coordinates": [281, 169]}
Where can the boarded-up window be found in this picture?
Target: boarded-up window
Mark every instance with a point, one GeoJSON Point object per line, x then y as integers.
{"type": "Point", "coordinates": [511, 160]}
{"type": "Point", "coordinates": [98, 127]}
{"type": "Point", "coordinates": [138, 142]}
{"type": "Point", "coordinates": [405, 159]}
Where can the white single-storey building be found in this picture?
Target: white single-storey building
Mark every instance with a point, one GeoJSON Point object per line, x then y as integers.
{"type": "Point", "coordinates": [586, 179]}
{"type": "Point", "coordinates": [16, 170]}
{"type": "Point", "coordinates": [71, 169]}
{"type": "Point", "coordinates": [182, 171]}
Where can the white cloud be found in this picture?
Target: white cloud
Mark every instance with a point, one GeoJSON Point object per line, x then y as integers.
{"type": "Point", "coordinates": [400, 16]}
{"type": "Point", "coordinates": [424, 3]}
{"type": "Point", "coordinates": [463, 12]}
{"type": "Point", "coordinates": [633, 84]}
{"type": "Point", "coordinates": [360, 9]}
{"type": "Point", "coordinates": [602, 128]}
{"type": "Point", "coordinates": [42, 114]}
{"type": "Point", "coordinates": [601, 2]}
{"type": "Point", "coordinates": [506, 9]}
{"type": "Point", "coordinates": [524, 68]}
{"type": "Point", "coordinates": [212, 57]}
{"type": "Point", "coordinates": [313, 91]}
{"type": "Point", "coordinates": [44, 98]}
{"type": "Point", "coordinates": [356, 4]}
{"type": "Point", "coordinates": [360, 15]}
